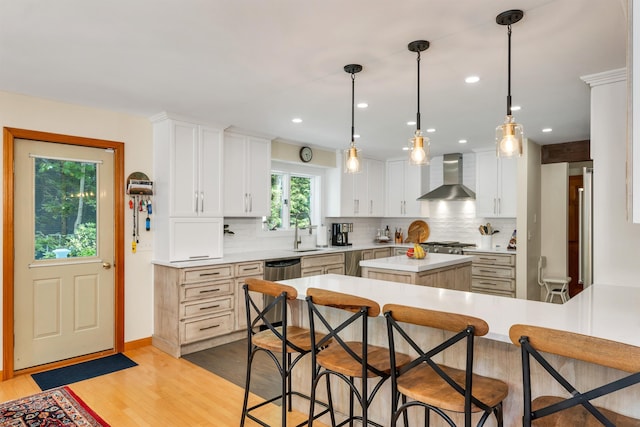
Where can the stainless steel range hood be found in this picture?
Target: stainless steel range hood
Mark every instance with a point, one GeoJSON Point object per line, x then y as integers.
{"type": "Point", "coordinates": [452, 189]}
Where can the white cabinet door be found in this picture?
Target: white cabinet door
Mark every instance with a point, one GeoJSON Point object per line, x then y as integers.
{"type": "Point", "coordinates": [348, 203]}
{"type": "Point", "coordinates": [496, 184]}
{"type": "Point", "coordinates": [247, 175]}
{"type": "Point", "coordinates": [395, 185]}
{"type": "Point", "coordinates": [508, 190]}
{"type": "Point", "coordinates": [210, 172]}
{"type": "Point", "coordinates": [486, 184]}
{"type": "Point", "coordinates": [195, 238]}
{"type": "Point", "coordinates": [183, 169]}
{"type": "Point", "coordinates": [412, 189]}
{"type": "Point", "coordinates": [259, 177]}
{"type": "Point", "coordinates": [375, 188]}
{"type": "Point", "coordinates": [404, 186]}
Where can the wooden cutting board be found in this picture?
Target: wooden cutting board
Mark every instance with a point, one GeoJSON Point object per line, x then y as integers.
{"type": "Point", "coordinates": [418, 232]}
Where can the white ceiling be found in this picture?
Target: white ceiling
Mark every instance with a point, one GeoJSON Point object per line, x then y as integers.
{"type": "Point", "coordinates": [256, 64]}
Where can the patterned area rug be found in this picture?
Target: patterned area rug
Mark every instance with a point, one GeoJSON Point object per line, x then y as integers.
{"type": "Point", "coordinates": [51, 408]}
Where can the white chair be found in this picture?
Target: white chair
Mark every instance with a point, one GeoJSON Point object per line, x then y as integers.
{"type": "Point", "coordinates": [554, 285]}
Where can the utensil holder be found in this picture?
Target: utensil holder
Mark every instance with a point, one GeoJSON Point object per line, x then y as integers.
{"type": "Point", "coordinates": [486, 241]}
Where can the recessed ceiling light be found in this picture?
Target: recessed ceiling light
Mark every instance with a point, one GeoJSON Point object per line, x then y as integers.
{"type": "Point", "coordinates": [472, 79]}
{"type": "Point", "coordinates": [362, 105]}
{"type": "Point", "coordinates": [296, 120]}
{"type": "Point", "coordinates": [431, 130]}
{"type": "Point", "coordinates": [410, 123]}
{"type": "Point", "coordinates": [547, 130]}
{"type": "Point", "coordinates": [515, 108]}
{"type": "Point", "coordinates": [462, 141]}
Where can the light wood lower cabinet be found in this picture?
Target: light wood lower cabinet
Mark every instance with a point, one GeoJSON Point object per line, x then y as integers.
{"type": "Point", "coordinates": [493, 273]}
{"type": "Point", "coordinates": [200, 307]}
{"type": "Point", "coordinates": [457, 277]}
{"type": "Point", "coordinates": [322, 264]}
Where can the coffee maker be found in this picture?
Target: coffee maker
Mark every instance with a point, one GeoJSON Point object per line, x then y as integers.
{"type": "Point", "coordinates": [340, 233]}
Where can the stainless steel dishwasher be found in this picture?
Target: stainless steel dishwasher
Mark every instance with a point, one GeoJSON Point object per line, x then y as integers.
{"type": "Point", "coordinates": [281, 269]}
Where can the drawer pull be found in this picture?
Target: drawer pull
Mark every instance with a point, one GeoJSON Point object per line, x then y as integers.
{"type": "Point", "coordinates": [252, 268]}
{"type": "Point", "coordinates": [210, 307]}
{"type": "Point", "coordinates": [209, 327]}
{"type": "Point", "coordinates": [488, 259]}
{"type": "Point", "coordinates": [209, 274]}
{"type": "Point", "coordinates": [488, 283]}
{"type": "Point", "coordinates": [198, 256]}
{"type": "Point", "coordinates": [210, 290]}
{"type": "Point", "coordinates": [488, 271]}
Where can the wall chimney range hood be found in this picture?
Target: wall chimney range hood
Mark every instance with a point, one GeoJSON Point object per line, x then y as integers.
{"type": "Point", "coordinates": [452, 189]}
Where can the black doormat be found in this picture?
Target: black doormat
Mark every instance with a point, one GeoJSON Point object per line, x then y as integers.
{"type": "Point", "coordinates": [82, 371]}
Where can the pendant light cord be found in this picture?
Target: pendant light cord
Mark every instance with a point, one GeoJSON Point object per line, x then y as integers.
{"type": "Point", "coordinates": [353, 90]}
{"type": "Point", "coordinates": [509, 71]}
{"type": "Point", "coordinates": [418, 114]}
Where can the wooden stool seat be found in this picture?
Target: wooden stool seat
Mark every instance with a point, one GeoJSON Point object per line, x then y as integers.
{"type": "Point", "coordinates": [336, 359]}
{"type": "Point", "coordinates": [297, 336]}
{"type": "Point", "coordinates": [424, 384]}
{"type": "Point", "coordinates": [577, 416]}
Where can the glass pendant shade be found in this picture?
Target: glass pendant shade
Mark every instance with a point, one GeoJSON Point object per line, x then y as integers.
{"type": "Point", "coordinates": [509, 138]}
{"type": "Point", "coordinates": [419, 146]}
{"type": "Point", "coordinates": [352, 163]}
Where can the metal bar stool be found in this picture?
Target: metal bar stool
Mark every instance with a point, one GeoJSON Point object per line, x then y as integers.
{"type": "Point", "coordinates": [577, 409]}
{"type": "Point", "coordinates": [436, 387]}
{"type": "Point", "coordinates": [278, 342]}
{"type": "Point", "coordinates": [344, 358]}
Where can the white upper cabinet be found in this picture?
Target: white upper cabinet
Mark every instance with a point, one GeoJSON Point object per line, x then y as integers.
{"type": "Point", "coordinates": [361, 194]}
{"type": "Point", "coordinates": [190, 155]}
{"type": "Point", "coordinates": [404, 186]}
{"type": "Point", "coordinates": [247, 175]}
{"type": "Point", "coordinates": [496, 185]}
{"type": "Point", "coordinates": [188, 190]}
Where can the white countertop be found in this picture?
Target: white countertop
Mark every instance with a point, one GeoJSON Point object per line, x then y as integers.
{"type": "Point", "coordinates": [404, 263]}
{"type": "Point", "coordinates": [604, 311]}
{"type": "Point", "coordinates": [268, 255]}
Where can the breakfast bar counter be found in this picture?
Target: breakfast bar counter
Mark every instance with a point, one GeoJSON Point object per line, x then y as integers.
{"type": "Point", "coordinates": [604, 311]}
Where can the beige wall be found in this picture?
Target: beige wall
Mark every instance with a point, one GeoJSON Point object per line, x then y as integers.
{"type": "Point", "coordinates": [290, 153]}
{"type": "Point", "coordinates": [18, 111]}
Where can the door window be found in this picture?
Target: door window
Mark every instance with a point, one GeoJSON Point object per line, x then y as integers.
{"type": "Point", "coordinates": [65, 208]}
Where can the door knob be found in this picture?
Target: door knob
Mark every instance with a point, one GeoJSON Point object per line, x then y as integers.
{"type": "Point", "coordinates": [106, 265]}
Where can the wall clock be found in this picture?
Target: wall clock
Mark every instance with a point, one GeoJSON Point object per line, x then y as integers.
{"type": "Point", "coordinates": [306, 154]}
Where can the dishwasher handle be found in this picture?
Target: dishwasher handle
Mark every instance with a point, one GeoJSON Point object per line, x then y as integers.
{"type": "Point", "coordinates": [282, 263]}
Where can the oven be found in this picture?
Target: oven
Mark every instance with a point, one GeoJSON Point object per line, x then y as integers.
{"type": "Point", "coordinates": [446, 247]}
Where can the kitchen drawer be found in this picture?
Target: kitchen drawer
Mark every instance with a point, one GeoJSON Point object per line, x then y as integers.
{"type": "Point", "coordinates": [491, 271]}
{"type": "Point", "coordinates": [495, 259]}
{"type": "Point", "coordinates": [493, 284]}
{"type": "Point", "coordinates": [196, 330]}
{"type": "Point", "coordinates": [249, 268]}
{"type": "Point", "coordinates": [312, 271]}
{"type": "Point", "coordinates": [334, 269]}
{"type": "Point", "coordinates": [209, 273]}
{"type": "Point", "coordinates": [322, 260]}
{"type": "Point", "coordinates": [203, 308]}
{"type": "Point", "coordinates": [206, 290]}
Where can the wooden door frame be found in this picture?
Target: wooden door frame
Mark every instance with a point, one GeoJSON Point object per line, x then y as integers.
{"type": "Point", "coordinates": [10, 135]}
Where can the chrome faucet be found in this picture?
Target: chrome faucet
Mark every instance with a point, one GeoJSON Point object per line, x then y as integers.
{"type": "Point", "coordinates": [298, 239]}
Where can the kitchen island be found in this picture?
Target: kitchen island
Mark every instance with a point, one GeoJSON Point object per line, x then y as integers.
{"type": "Point", "coordinates": [603, 311]}
{"type": "Point", "coordinates": [435, 270]}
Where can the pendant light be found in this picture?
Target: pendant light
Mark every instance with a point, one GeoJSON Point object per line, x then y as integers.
{"type": "Point", "coordinates": [352, 161]}
{"type": "Point", "coordinates": [419, 144]}
{"type": "Point", "coordinates": [509, 134]}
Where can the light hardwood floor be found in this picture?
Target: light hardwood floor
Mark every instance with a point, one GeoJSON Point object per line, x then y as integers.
{"type": "Point", "coordinates": [160, 391]}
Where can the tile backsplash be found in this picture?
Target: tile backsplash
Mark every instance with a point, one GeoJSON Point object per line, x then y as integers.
{"type": "Point", "coordinates": [447, 221]}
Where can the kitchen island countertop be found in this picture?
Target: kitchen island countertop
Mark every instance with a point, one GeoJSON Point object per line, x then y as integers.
{"type": "Point", "coordinates": [404, 263]}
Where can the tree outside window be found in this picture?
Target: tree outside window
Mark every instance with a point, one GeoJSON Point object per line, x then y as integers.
{"type": "Point", "coordinates": [291, 197]}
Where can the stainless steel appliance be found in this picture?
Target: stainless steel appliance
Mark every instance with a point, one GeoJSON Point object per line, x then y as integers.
{"type": "Point", "coordinates": [446, 247]}
{"type": "Point", "coordinates": [340, 233]}
{"type": "Point", "coordinates": [585, 232]}
{"type": "Point", "coordinates": [452, 187]}
{"type": "Point", "coordinates": [281, 269]}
